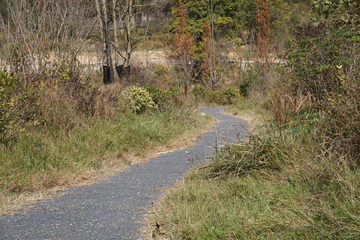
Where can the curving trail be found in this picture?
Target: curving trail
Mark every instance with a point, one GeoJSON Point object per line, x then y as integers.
{"type": "Point", "coordinates": [113, 208]}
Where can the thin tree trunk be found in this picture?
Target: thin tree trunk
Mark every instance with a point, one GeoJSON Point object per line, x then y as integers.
{"type": "Point", "coordinates": [127, 19]}
{"type": "Point", "coordinates": [99, 16]}
{"type": "Point", "coordinates": [109, 63]}
{"type": "Point", "coordinates": [115, 31]}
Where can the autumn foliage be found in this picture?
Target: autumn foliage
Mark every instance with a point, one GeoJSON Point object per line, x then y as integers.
{"type": "Point", "coordinates": [262, 26]}
{"type": "Point", "coordinates": [185, 60]}
{"type": "Point", "coordinates": [182, 37]}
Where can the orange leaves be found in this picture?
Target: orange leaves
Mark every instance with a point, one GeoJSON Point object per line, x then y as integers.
{"type": "Point", "coordinates": [182, 37]}
{"type": "Point", "coordinates": [262, 25]}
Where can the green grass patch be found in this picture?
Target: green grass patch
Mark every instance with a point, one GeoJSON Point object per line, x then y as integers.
{"type": "Point", "coordinates": [45, 158]}
{"type": "Point", "coordinates": [254, 207]}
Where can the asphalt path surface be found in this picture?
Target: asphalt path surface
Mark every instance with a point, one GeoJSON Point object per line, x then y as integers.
{"type": "Point", "coordinates": [113, 208]}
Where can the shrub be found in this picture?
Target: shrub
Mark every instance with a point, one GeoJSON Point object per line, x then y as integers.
{"type": "Point", "coordinates": [231, 94]}
{"type": "Point", "coordinates": [246, 83]}
{"type": "Point", "coordinates": [323, 61]}
{"type": "Point", "coordinates": [317, 51]}
{"type": "Point", "coordinates": [17, 106]}
{"type": "Point", "coordinates": [140, 100]}
{"type": "Point", "coordinates": [199, 92]}
{"type": "Point", "coordinates": [173, 95]}
{"type": "Point", "coordinates": [161, 71]}
{"type": "Point", "coordinates": [156, 94]}
{"type": "Point", "coordinates": [63, 88]}
{"type": "Point", "coordinates": [215, 97]}
{"type": "Point", "coordinates": [162, 98]}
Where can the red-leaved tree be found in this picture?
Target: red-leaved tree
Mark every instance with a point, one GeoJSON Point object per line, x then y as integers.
{"type": "Point", "coordinates": [262, 25]}
{"type": "Point", "coordinates": [184, 64]}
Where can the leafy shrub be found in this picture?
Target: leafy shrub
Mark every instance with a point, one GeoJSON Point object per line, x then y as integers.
{"type": "Point", "coordinates": [140, 100]}
{"type": "Point", "coordinates": [231, 94]}
{"type": "Point", "coordinates": [215, 97]}
{"type": "Point", "coordinates": [173, 95]}
{"type": "Point", "coordinates": [246, 83]}
{"type": "Point", "coordinates": [323, 61]}
{"type": "Point", "coordinates": [317, 51]}
{"type": "Point", "coordinates": [156, 94]}
{"type": "Point", "coordinates": [173, 92]}
{"type": "Point", "coordinates": [199, 92]}
{"type": "Point", "coordinates": [17, 106]}
{"type": "Point", "coordinates": [162, 98]}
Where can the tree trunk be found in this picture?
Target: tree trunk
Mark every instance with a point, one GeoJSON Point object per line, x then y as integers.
{"type": "Point", "coordinates": [115, 32]}
{"type": "Point", "coordinates": [128, 45]}
{"type": "Point", "coordinates": [108, 68]}
{"type": "Point", "coordinates": [99, 16]}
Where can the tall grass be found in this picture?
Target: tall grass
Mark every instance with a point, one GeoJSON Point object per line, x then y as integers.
{"type": "Point", "coordinates": [279, 184]}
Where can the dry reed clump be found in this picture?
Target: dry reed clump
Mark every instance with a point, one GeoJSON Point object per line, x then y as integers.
{"type": "Point", "coordinates": [287, 104]}
{"type": "Point", "coordinates": [341, 111]}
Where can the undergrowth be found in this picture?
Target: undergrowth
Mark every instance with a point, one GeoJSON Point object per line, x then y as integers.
{"type": "Point", "coordinates": [297, 174]}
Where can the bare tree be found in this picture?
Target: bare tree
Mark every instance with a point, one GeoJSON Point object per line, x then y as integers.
{"type": "Point", "coordinates": [129, 10]}
{"type": "Point", "coordinates": [36, 33]}
{"type": "Point", "coordinates": [210, 61]}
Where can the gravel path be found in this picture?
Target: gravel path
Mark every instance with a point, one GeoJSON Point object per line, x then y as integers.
{"type": "Point", "coordinates": [113, 208]}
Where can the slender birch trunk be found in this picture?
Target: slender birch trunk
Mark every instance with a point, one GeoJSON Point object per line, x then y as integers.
{"type": "Point", "coordinates": [115, 32]}
{"type": "Point", "coordinates": [99, 16]}
{"type": "Point", "coordinates": [128, 45]}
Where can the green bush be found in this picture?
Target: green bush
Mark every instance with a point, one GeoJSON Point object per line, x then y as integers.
{"type": "Point", "coordinates": [160, 72]}
{"type": "Point", "coordinates": [17, 106]}
{"type": "Point", "coordinates": [140, 100]}
{"type": "Point", "coordinates": [231, 94]}
{"type": "Point", "coordinates": [162, 98]}
{"type": "Point", "coordinates": [314, 56]}
{"type": "Point", "coordinates": [7, 86]}
{"type": "Point", "coordinates": [215, 97]}
{"type": "Point", "coordinates": [173, 96]}
{"type": "Point", "coordinates": [156, 94]}
{"type": "Point", "coordinates": [199, 92]}
{"type": "Point", "coordinates": [247, 80]}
